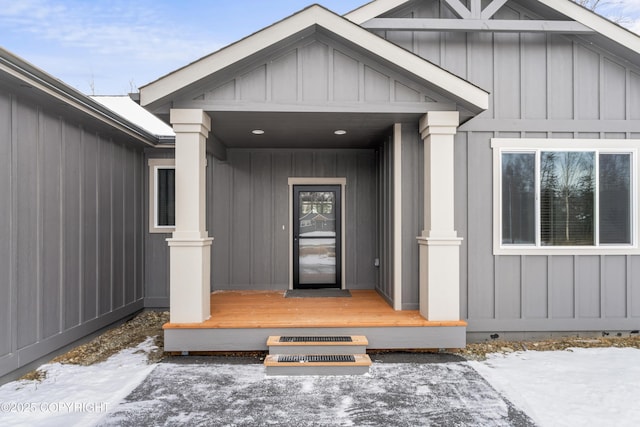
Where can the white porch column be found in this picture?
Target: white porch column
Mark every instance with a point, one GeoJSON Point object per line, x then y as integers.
{"type": "Point", "coordinates": [439, 242]}
{"type": "Point", "coordinates": [190, 245]}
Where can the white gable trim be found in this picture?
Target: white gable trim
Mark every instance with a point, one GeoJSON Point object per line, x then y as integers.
{"type": "Point", "coordinates": [594, 21]}
{"type": "Point", "coordinates": [578, 13]}
{"type": "Point", "coordinates": [315, 15]}
{"type": "Point", "coordinates": [372, 10]}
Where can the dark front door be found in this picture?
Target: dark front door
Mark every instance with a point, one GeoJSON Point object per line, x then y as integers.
{"type": "Point", "coordinates": [316, 236]}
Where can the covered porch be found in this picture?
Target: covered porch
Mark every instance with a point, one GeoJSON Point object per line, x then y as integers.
{"type": "Point", "coordinates": [242, 320]}
{"type": "Point", "coordinates": [297, 104]}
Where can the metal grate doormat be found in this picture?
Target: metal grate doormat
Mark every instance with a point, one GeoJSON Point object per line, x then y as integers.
{"type": "Point", "coordinates": [316, 339]}
{"type": "Point", "coordinates": [316, 358]}
{"type": "Point", "coordinates": [318, 293]}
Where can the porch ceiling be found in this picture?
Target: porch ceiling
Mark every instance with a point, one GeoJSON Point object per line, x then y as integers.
{"type": "Point", "coordinates": [304, 130]}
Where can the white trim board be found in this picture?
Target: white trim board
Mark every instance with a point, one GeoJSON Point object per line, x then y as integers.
{"type": "Point", "coordinates": [154, 165]}
{"type": "Point", "coordinates": [499, 145]}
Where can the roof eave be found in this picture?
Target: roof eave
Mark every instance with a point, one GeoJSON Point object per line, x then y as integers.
{"type": "Point", "coordinates": [37, 78]}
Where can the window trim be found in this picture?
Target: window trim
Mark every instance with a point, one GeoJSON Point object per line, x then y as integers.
{"type": "Point", "coordinates": [154, 166]}
{"type": "Point", "coordinates": [601, 146]}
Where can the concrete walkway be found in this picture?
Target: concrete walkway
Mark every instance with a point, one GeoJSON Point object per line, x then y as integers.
{"type": "Point", "coordinates": [401, 390]}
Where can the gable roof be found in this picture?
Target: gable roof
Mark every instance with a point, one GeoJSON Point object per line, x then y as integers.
{"type": "Point", "coordinates": [570, 9]}
{"type": "Point", "coordinates": [467, 94]}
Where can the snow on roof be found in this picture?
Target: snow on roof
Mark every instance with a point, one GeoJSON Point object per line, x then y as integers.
{"type": "Point", "coordinates": [136, 114]}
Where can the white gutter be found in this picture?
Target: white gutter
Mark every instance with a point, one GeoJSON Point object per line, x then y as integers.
{"type": "Point", "coordinates": [33, 76]}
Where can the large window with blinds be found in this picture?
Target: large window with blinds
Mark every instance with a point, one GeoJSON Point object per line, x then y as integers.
{"type": "Point", "coordinates": [564, 197]}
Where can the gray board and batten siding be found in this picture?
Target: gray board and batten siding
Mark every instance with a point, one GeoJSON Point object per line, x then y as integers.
{"type": "Point", "coordinates": [250, 214]}
{"type": "Point", "coordinates": [71, 225]}
{"type": "Point", "coordinates": [542, 86]}
{"type": "Point", "coordinates": [248, 217]}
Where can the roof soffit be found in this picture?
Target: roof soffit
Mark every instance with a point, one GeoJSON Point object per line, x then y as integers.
{"type": "Point", "coordinates": [164, 89]}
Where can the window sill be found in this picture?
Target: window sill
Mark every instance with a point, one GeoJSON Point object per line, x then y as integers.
{"type": "Point", "coordinates": [566, 250]}
{"type": "Point", "coordinates": [162, 230]}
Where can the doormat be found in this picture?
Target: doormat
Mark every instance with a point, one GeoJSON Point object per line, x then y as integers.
{"type": "Point", "coordinates": [317, 293]}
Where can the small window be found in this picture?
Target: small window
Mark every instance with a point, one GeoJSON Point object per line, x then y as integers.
{"type": "Point", "coordinates": [556, 195]}
{"type": "Point", "coordinates": [162, 198]}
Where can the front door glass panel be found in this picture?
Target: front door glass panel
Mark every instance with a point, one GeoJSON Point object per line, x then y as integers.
{"type": "Point", "coordinates": [317, 237]}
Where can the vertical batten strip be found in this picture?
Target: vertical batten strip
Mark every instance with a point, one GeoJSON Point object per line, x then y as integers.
{"type": "Point", "coordinates": [39, 219]}
{"type": "Point", "coordinates": [628, 288]}
{"type": "Point", "coordinates": [81, 225]}
{"type": "Point", "coordinates": [549, 287]}
{"type": "Point", "coordinates": [13, 225]}
{"type": "Point", "coordinates": [576, 281]}
{"type": "Point", "coordinates": [602, 287]}
{"type": "Point", "coordinates": [523, 287]}
{"type": "Point", "coordinates": [62, 238]}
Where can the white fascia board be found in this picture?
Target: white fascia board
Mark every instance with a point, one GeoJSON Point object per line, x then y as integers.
{"type": "Point", "coordinates": [315, 15]}
{"type": "Point", "coordinates": [372, 10]}
{"type": "Point", "coordinates": [594, 21]}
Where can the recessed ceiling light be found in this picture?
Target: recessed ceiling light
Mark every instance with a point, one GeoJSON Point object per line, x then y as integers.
{"type": "Point", "coordinates": [340, 132]}
{"type": "Point", "coordinates": [257, 132]}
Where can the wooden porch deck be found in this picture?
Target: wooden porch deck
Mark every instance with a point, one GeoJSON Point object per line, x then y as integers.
{"type": "Point", "coordinates": [242, 320]}
{"type": "Point", "coordinates": [269, 309]}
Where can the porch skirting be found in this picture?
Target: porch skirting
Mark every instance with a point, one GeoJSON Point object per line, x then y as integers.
{"type": "Point", "coordinates": [242, 321]}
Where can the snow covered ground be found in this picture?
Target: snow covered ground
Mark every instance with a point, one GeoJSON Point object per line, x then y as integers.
{"type": "Point", "coordinates": [576, 387]}
{"type": "Point", "coordinates": [585, 387]}
{"type": "Point", "coordinates": [74, 395]}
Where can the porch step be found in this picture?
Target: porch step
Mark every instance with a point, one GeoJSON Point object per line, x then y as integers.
{"type": "Point", "coordinates": [317, 355]}
{"type": "Point", "coordinates": [354, 344]}
{"type": "Point", "coordinates": [324, 364]}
